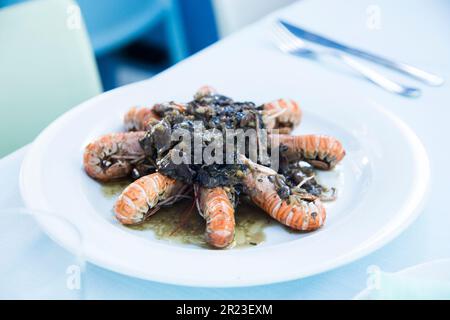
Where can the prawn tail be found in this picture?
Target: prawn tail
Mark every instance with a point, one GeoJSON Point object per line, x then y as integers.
{"type": "Point", "coordinates": [321, 151]}
{"type": "Point", "coordinates": [216, 207]}
{"type": "Point", "coordinates": [303, 215]}
{"type": "Point", "coordinates": [282, 115]}
{"type": "Point", "coordinates": [299, 212]}
{"type": "Point", "coordinates": [204, 91]}
{"type": "Point", "coordinates": [136, 202]}
{"type": "Point", "coordinates": [139, 119]}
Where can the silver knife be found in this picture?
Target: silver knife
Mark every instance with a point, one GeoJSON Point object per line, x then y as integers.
{"type": "Point", "coordinates": [424, 76]}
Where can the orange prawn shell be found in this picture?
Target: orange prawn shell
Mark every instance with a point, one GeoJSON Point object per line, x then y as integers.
{"type": "Point", "coordinates": [204, 91]}
{"type": "Point", "coordinates": [311, 147]}
{"type": "Point", "coordinates": [303, 215]}
{"type": "Point", "coordinates": [142, 195]}
{"type": "Point", "coordinates": [113, 143]}
{"type": "Point", "coordinates": [218, 212]}
{"type": "Point", "coordinates": [140, 118]}
{"type": "Point", "coordinates": [287, 113]}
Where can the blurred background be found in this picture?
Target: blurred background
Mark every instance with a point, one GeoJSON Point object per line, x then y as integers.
{"type": "Point", "coordinates": [55, 54]}
{"type": "Point", "coordinates": [135, 39]}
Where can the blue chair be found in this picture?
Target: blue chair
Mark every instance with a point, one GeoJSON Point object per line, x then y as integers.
{"type": "Point", "coordinates": [113, 24]}
{"type": "Point", "coordinates": [184, 27]}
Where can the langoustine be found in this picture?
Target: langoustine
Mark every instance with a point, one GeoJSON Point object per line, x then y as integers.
{"type": "Point", "coordinates": [297, 211]}
{"type": "Point", "coordinates": [111, 156]}
{"type": "Point", "coordinates": [143, 197]}
{"type": "Point", "coordinates": [216, 206]}
{"type": "Point", "coordinates": [142, 118]}
{"type": "Point", "coordinates": [321, 151]}
{"type": "Point", "coordinates": [282, 114]}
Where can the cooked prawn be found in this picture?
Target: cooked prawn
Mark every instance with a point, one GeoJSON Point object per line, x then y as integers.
{"type": "Point", "coordinates": [217, 209]}
{"type": "Point", "coordinates": [204, 91]}
{"type": "Point", "coordinates": [111, 156]}
{"type": "Point", "coordinates": [282, 114]}
{"type": "Point", "coordinates": [136, 202]}
{"type": "Point", "coordinates": [321, 151]}
{"type": "Point", "coordinates": [162, 108]}
{"type": "Point", "coordinates": [297, 211]}
{"type": "Point", "coordinates": [138, 119]}
{"type": "Point", "coordinates": [141, 119]}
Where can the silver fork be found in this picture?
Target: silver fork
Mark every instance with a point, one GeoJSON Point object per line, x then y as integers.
{"type": "Point", "coordinates": [290, 44]}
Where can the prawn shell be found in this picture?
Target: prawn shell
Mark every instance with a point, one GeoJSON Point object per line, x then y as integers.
{"type": "Point", "coordinates": [113, 144]}
{"type": "Point", "coordinates": [142, 195]}
{"type": "Point", "coordinates": [218, 211]}
{"type": "Point", "coordinates": [297, 214]}
{"type": "Point", "coordinates": [282, 114]}
{"type": "Point", "coordinates": [204, 91]}
{"type": "Point", "coordinates": [322, 151]}
{"type": "Point", "coordinates": [139, 119]}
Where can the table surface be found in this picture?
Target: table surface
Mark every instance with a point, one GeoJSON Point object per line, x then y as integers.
{"type": "Point", "coordinates": [402, 25]}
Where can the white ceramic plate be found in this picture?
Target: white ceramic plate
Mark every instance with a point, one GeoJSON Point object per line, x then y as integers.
{"type": "Point", "coordinates": [382, 182]}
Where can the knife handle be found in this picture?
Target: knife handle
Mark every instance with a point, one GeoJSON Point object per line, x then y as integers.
{"type": "Point", "coordinates": [377, 78]}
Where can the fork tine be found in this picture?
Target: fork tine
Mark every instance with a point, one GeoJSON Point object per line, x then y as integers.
{"type": "Point", "coordinates": [282, 41]}
{"type": "Point", "coordinates": [277, 39]}
{"type": "Point", "coordinates": [289, 38]}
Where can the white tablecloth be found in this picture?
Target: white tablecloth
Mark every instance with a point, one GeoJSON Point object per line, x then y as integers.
{"type": "Point", "coordinates": [415, 31]}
